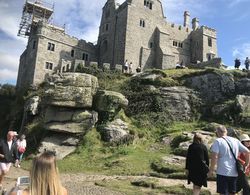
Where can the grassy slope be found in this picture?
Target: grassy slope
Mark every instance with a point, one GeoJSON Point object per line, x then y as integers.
{"type": "Point", "coordinates": [95, 156]}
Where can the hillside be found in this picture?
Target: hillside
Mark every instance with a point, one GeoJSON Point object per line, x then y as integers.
{"type": "Point", "coordinates": [111, 123]}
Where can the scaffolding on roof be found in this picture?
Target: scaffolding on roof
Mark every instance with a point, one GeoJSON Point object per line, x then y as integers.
{"type": "Point", "coordinates": [33, 12]}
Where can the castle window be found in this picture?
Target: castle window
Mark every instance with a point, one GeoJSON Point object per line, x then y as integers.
{"type": "Point", "coordinates": [209, 42]}
{"type": "Point", "coordinates": [48, 65]}
{"type": "Point", "coordinates": [34, 45]}
{"type": "Point", "coordinates": [142, 23]}
{"type": "Point", "coordinates": [63, 69]}
{"type": "Point", "coordinates": [148, 4]}
{"type": "Point", "coordinates": [180, 45]}
{"type": "Point", "coordinates": [151, 44]}
{"type": "Point", "coordinates": [67, 67]}
{"type": "Point", "coordinates": [175, 43]}
{"type": "Point", "coordinates": [51, 46]}
{"type": "Point", "coordinates": [72, 53]}
{"type": "Point", "coordinates": [107, 27]}
{"type": "Point", "coordinates": [85, 56]}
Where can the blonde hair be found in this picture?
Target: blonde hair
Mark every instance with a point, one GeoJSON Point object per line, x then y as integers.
{"type": "Point", "coordinates": [44, 176]}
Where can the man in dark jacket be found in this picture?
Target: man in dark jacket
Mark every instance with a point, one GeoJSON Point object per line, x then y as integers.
{"type": "Point", "coordinates": [8, 155]}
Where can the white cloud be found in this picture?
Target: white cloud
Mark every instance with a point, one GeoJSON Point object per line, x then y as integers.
{"type": "Point", "coordinates": [8, 76]}
{"type": "Point", "coordinates": [9, 62]}
{"type": "Point", "coordinates": [233, 3]}
{"type": "Point", "coordinates": [241, 51]}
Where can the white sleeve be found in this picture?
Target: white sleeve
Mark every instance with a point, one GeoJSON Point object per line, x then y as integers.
{"type": "Point", "coordinates": [215, 147]}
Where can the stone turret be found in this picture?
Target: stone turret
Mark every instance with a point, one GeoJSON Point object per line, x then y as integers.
{"type": "Point", "coordinates": [195, 23]}
{"type": "Point", "coordinates": [186, 19]}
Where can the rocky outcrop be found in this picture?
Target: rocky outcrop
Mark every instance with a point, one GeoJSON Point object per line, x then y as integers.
{"type": "Point", "coordinates": [108, 104]}
{"type": "Point", "coordinates": [213, 87]}
{"type": "Point", "coordinates": [71, 90]}
{"type": "Point", "coordinates": [61, 144]}
{"type": "Point", "coordinates": [243, 107]}
{"type": "Point", "coordinates": [180, 102]}
{"type": "Point", "coordinates": [69, 120]}
{"type": "Point", "coordinates": [114, 131]}
{"type": "Point", "coordinates": [31, 106]}
{"type": "Point", "coordinates": [243, 86]}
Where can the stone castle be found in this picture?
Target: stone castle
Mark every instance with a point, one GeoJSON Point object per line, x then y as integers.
{"type": "Point", "coordinates": [136, 30]}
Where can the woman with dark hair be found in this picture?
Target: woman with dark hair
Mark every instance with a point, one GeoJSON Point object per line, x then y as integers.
{"type": "Point", "coordinates": [197, 164]}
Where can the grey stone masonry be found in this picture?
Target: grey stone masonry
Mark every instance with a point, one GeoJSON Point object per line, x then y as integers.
{"type": "Point", "coordinates": [136, 31]}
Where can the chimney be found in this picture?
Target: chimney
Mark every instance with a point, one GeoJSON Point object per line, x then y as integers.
{"type": "Point", "coordinates": [186, 19]}
{"type": "Point", "coordinates": [195, 23]}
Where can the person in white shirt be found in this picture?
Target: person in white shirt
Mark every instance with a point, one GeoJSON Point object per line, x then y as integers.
{"type": "Point", "coordinates": [21, 147]}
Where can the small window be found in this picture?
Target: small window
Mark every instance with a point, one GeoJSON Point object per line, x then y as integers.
{"type": "Point", "coordinates": [51, 46]}
{"type": "Point", "coordinates": [175, 43]}
{"type": "Point", "coordinates": [107, 27]}
{"type": "Point", "coordinates": [72, 53]}
{"type": "Point", "coordinates": [142, 23]}
{"type": "Point", "coordinates": [34, 45]}
{"type": "Point", "coordinates": [180, 45]}
{"type": "Point", "coordinates": [63, 69]}
{"type": "Point", "coordinates": [85, 56]}
{"type": "Point", "coordinates": [151, 45]}
{"type": "Point", "coordinates": [148, 4]}
{"type": "Point", "coordinates": [49, 66]}
{"type": "Point", "coordinates": [67, 67]}
{"type": "Point", "coordinates": [209, 42]}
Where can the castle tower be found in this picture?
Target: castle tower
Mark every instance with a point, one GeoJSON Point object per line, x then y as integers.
{"type": "Point", "coordinates": [106, 39]}
{"type": "Point", "coordinates": [195, 23]}
{"type": "Point", "coordinates": [33, 12]}
{"type": "Point", "coordinates": [186, 19]}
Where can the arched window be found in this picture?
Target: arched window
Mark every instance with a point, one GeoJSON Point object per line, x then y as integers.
{"type": "Point", "coordinates": [104, 46]}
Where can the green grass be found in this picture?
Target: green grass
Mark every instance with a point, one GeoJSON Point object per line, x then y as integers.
{"type": "Point", "coordinates": [94, 156]}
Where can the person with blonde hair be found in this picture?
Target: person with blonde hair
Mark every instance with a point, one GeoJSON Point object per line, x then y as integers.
{"type": "Point", "coordinates": [44, 177]}
{"type": "Point", "coordinates": [197, 163]}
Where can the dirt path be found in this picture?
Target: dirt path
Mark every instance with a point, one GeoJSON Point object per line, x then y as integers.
{"type": "Point", "coordinates": [83, 184]}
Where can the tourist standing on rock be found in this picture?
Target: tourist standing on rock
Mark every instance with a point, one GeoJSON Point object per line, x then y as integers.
{"type": "Point", "coordinates": [126, 65]}
{"type": "Point", "coordinates": [224, 158]}
{"type": "Point", "coordinates": [247, 63]}
{"type": "Point", "coordinates": [237, 63]}
{"type": "Point", "coordinates": [130, 67]}
{"type": "Point", "coordinates": [197, 163]}
{"type": "Point", "coordinates": [245, 140]}
{"type": "Point", "coordinates": [44, 177]}
{"type": "Point", "coordinates": [21, 147]}
{"type": "Point", "coordinates": [8, 155]}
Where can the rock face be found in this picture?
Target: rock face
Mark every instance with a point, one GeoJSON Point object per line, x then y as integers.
{"type": "Point", "coordinates": [109, 103]}
{"type": "Point", "coordinates": [59, 144]}
{"type": "Point", "coordinates": [243, 106]}
{"type": "Point", "coordinates": [69, 120]}
{"type": "Point", "coordinates": [71, 90]}
{"type": "Point", "coordinates": [243, 86]}
{"type": "Point", "coordinates": [31, 106]}
{"type": "Point", "coordinates": [213, 87]}
{"type": "Point", "coordinates": [180, 102]}
{"type": "Point", "coordinates": [114, 131]}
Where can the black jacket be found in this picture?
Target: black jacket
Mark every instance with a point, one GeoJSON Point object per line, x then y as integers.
{"type": "Point", "coordinates": [9, 155]}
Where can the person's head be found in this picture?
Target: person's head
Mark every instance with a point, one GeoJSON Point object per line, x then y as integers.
{"type": "Point", "coordinates": [22, 137]}
{"type": "Point", "coordinates": [44, 176]}
{"type": "Point", "coordinates": [221, 131]}
{"type": "Point", "coordinates": [10, 135]}
{"type": "Point", "coordinates": [245, 140]}
{"type": "Point", "coordinates": [198, 138]}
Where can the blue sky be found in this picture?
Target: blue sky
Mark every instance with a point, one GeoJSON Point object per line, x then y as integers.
{"type": "Point", "coordinates": [229, 17]}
